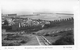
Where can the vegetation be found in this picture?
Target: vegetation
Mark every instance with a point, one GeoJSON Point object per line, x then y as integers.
{"type": "Point", "coordinates": [5, 22]}
{"type": "Point", "coordinates": [14, 40]}
{"type": "Point", "coordinates": [67, 38]}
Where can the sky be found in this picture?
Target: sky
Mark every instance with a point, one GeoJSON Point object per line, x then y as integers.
{"type": "Point", "coordinates": [30, 6]}
{"type": "Point", "coordinates": [23, 7]}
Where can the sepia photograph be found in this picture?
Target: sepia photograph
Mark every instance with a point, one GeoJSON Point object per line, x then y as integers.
{"type": "Point", "coordinates": [37, 23]}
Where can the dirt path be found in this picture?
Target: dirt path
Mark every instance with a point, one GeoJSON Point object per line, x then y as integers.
{"type": "Point", "coordinates": [33, 40]}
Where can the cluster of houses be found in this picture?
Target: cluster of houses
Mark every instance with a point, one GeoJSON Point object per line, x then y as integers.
{"type": "Point", "coordinates": [17, 21]}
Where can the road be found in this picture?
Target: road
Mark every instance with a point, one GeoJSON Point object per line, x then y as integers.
{"type": "Point", "coordinates": [36, 40]}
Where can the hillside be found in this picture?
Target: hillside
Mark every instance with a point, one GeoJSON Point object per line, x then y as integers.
{"type": "Point", "coordinates": [59, 32]}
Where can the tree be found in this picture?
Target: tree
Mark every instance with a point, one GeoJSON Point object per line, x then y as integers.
{"type": "Point", "coordinates": [6, 22]}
